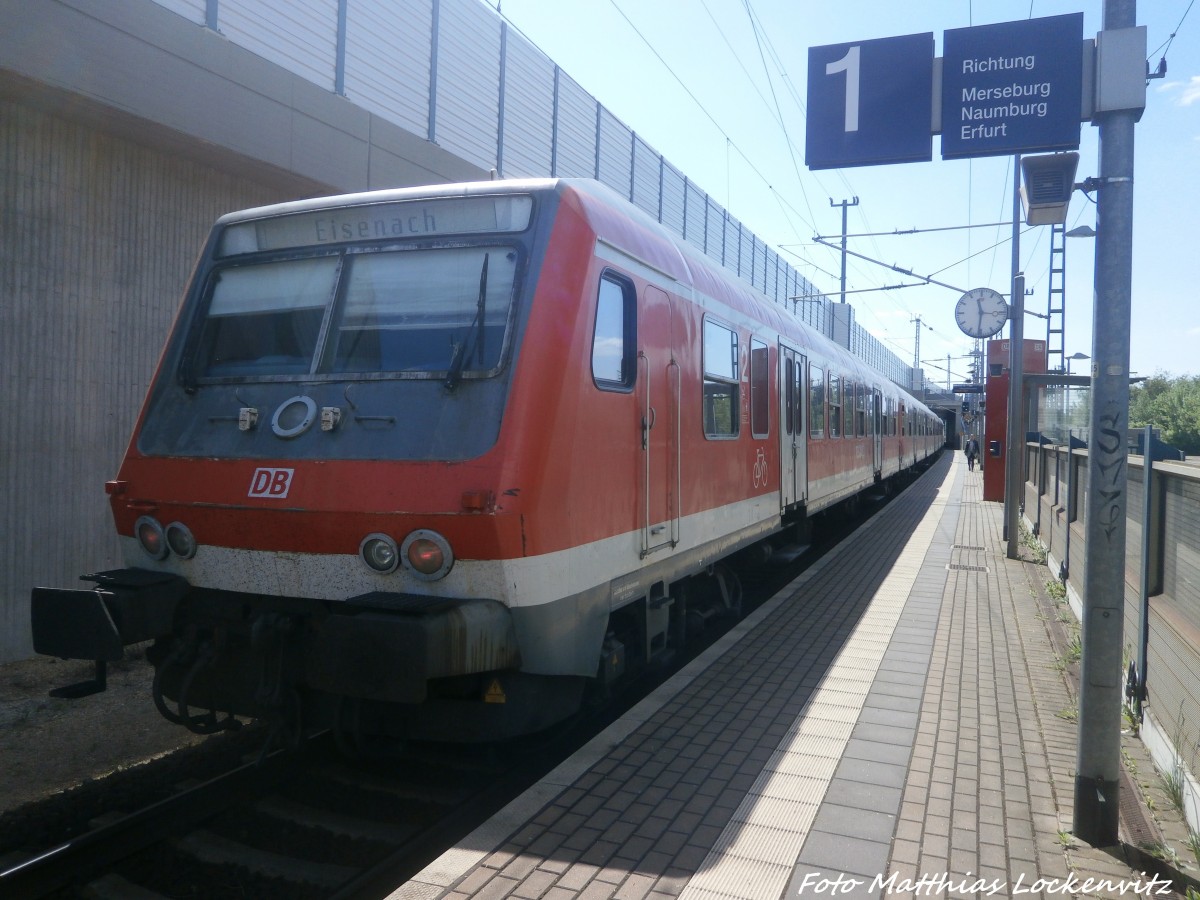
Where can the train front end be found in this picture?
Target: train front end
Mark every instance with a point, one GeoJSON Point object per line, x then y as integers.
{"type": "Point", "coordinates": [313, 510]}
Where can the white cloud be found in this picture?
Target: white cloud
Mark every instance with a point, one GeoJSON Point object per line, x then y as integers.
{"type": "Point", "coordinates": [1191, 92]}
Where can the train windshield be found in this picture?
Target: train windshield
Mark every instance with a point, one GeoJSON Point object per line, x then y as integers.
{"type": "Point", "coordinates": [401, 313]}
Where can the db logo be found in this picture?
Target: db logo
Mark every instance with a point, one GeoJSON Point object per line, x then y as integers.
{"type": "Point", "coordinates": [273, 483]}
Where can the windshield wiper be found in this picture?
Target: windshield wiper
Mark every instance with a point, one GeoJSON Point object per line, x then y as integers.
{"type": "Point", "coordinates": [475, 335]}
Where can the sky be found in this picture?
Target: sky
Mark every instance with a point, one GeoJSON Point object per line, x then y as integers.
{"type": "Point", "coordinates": [724, 101]}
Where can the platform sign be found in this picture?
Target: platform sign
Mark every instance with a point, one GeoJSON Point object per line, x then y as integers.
{"type": "Point", "coordinates": [870, 102]}
{"type": "Point", "coordinates": [1015, 87]}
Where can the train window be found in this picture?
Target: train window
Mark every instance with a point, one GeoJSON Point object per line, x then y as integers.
{"type": "Point", "coordinates": [424, 310]}
{"type": "Point", "coordinates": [835, 406]}
{"type": "Point", "coordinates": [816, 401]}
{"type": "Point", "coordinates": [860, 409]}
{"type": "Point", "coordinates": [416, 312]}
{"type": "Point", "coordinates": [265, 319]}
{"type": "Point", "coordinates": [760, 406]}
{"type": "Point", "coordinates": [720, 380]}
{"type": "Point", "coordinates": [613, 341]}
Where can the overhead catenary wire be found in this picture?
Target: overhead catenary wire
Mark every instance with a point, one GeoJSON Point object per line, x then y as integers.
{"type": "Point", "coordinates": [1165, 46]}
{"type": "Point", "coordinates": [773, 97]}
{"type": "Point", "coordinates": [892, 266]}
{"type": "Point", "coordinates": [908, 231]}
{"type": "Point", "coordinates": [732, 143]}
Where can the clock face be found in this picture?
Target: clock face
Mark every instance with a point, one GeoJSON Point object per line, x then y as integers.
{"type": "Point", "coordinates": [981, 312]}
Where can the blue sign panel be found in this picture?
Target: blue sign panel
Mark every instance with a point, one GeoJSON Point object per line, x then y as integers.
{"type": "Point", "coordinates": [870, 102]}
{"type": "Point", "coordinates": [1012, 88]}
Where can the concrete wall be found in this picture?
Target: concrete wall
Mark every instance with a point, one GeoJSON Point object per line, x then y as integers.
{"type": "Point", "coordinates": [99, 238]}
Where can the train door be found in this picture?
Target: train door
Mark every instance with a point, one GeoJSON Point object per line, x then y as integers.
{"type": "Point", "coordinates": [877, 415]}
{"type": "Point", "coordinates": [659, 392]}
{"type": "Point", "coordinates": [793, 458]}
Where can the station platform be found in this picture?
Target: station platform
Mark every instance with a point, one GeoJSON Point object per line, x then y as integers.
{"type": "Point", "coordinates": [894, 723]}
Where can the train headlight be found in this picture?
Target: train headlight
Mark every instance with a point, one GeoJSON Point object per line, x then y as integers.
{"type": "Point", "coordinates": [380, 553]}
{"type": "Point", "coordinates": [180, 540]}
{"type": "Point", "coordinates": [150, 535]}
{"type": "Point", "coordinates": [427, 555]}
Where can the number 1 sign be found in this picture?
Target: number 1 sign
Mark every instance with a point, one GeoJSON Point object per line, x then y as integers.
{"type": "Point", "coordinates": [870, 102]}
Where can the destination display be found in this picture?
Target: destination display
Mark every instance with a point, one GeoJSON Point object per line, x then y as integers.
{"type": "Point", "coordinates": [376, 221]}
{"type": "Point", "coordinates": [1015, 87]}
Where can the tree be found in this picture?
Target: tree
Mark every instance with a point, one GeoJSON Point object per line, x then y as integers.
{"type": "Point", "coordinates": [1170, 404]}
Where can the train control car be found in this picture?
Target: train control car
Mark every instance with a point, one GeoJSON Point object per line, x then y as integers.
{"type": "Point", "coordinates": [433, 462]}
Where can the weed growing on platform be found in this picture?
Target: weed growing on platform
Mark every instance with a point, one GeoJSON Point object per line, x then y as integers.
{"type": "Point", "coordinates": [1193, 843]}
{"type": "Point", "coordinates": [1036, 550]}
{"type": "Point", "coordinates": [1056, 590]}
{"type": "Point", "coordinates": [1162, 851]}
{"type": "Point", "coordinates": [1072, 653]}
{"type": "Point", "coordinates": [1173, 784]}
{"type": "Point", "coordinates": [1130, 762]}
{"type": "Point", "coordinates": [1070, 714]}
{"type": "Point", "coordinates": [1175, 780]}
{"type": "Point", "coordinates": [1074, 648]}
{"type": "Point", "coordinates": [1066, 838]}
{"type": "Point", "coordinates": [1135, 728]}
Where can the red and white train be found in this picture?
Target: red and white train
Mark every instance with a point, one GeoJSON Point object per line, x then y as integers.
{"type": "Point", "coordinates": [431, 461]}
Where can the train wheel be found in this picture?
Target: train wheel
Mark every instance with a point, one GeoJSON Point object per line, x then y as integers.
{"type": "Point", "coordinates": [715, 595]}
{"type": "Point", "coordinates": [730, 587]}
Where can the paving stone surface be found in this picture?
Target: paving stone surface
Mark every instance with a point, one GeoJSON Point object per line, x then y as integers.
{"type": "Point", "coordinates": [890, 725]}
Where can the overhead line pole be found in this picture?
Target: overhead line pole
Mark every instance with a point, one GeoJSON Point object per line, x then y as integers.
{"type": "Point", "coordinates": [844, 204]}
{"type": "Point", "coordinates": [1014, 438]}
{"type": "Point", "coordinates": [1098, 762]}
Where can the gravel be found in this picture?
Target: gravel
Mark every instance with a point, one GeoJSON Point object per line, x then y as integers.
{"type": "Point", "coordinates": [49, 745]}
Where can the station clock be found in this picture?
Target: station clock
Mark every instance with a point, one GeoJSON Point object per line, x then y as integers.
{"type": "Point", "coordinates": [981, 312]}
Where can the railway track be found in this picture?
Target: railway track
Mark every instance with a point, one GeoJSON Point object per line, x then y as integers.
{"type": "Point", "coordinates": [296, 825]}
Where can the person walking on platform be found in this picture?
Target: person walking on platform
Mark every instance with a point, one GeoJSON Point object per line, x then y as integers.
{"type": "Point", "coordinates": [972, 451]}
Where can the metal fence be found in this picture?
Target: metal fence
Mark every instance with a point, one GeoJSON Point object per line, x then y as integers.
{"type": "Point", "coordinates": [1162, 582]}
{"type": "Point", "coordinates": [456, 73]}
